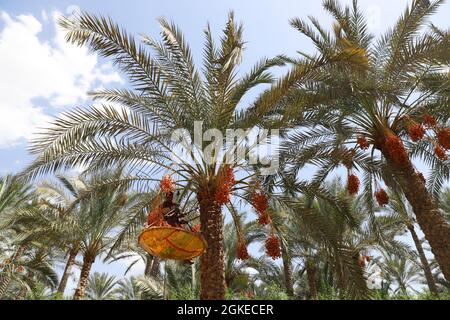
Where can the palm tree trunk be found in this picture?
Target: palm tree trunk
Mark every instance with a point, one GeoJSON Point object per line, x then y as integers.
{"type": "Point", "coordinates": [5, 280]}
{"type": "Point", "coordinates": [152, 264]}
{"type": "Point", "coordinates": [68, 268]}
{"type": "Point", "coordinates": [287, 265]}
{"type": "Point", "coordinates": [212, 269]}
{"type": "Point", "coordinates": [154, 271]}
{"type": "Point", "coordinates": [428, 216]}
{"type": "Point", "coordinates": [423, 259]}
{"type": "Point", "coordinates": [148, 265]}
{"type": "Point", "coordinates": [311, 273]}
{"type": "Point", "coordinates": [84, 276]}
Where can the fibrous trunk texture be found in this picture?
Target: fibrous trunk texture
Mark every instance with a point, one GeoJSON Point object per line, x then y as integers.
{"type": "Point", "coordinates": [148, 265]}
{"type": "Point", "coordinates": [311, 273]}
{"type": "Point", "coordinates": [430, 219]}
{"type": "Point", "coordinates": [287, 265]}
{"type": "Point", "coordinates": [67, 270]}
{"type": "Point", "coordinates": [212, 274]}
{"type": "Point", "coordinates": [154, 271]}
{"type": "Point", "coordinates": [84, 276]}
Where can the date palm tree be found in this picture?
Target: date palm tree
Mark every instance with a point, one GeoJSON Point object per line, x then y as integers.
{"type": "Point", "coordinates": [100, 215]}
{"type": "Point", "coordinates": [376, 121]}
{"type": "Point", "coordinates": [62, 196]}
{"type": "Point", "coordinates": [167, 93]}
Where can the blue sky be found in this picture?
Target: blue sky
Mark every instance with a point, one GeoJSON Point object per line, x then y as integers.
{"type": "Point", "coordinates": [42, 76]}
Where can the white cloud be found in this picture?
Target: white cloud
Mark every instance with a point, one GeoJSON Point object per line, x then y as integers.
{"type": "Point", "coordinates": [52, 72]}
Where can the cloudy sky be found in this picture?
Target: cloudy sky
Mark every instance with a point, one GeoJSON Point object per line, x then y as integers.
{"type": "Point", "coordinates": [41, 75]}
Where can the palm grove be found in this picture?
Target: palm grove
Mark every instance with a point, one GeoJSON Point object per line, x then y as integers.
{"type": "Point", "coordinates": [368, 106]}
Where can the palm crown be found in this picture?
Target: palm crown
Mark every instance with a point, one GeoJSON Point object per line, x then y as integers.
{"type": "Point", "coordinates": [377, 120]}
{"type": "Point", "coordinates": [405, 81]}
{"type": "Point", "coordinates": [362, 104]}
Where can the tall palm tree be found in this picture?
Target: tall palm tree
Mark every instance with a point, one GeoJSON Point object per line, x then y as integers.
{"type": "Point", "coordinates": [168, 94]}
{"type": "Point", "coordinates": [63, 195]}
{"type": "Point", "coordinates": [99, 217]}
{"type": "Point", "coordinates": [375, 121]}
{"type": "Point", "coordinates": [101, 286]}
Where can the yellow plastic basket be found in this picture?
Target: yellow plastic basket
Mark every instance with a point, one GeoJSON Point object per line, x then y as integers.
{"type": "Point", "coordinates": [172, 243]}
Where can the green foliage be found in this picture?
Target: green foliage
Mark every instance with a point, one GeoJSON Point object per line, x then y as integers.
{"type": "Point", "coordinates": [184, 293]}
{"type": "Point", "coordinates": [101, 286]}
{"type": "Point", "coordinates": [272, 291]}
{"type": "Point", "coordinates": [352, 86]}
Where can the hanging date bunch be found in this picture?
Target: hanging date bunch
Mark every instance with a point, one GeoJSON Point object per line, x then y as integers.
{"type": "Point", "coordinates": [241, 248]}
{"type": "Point", "coordinates": [440, 152]}
{"type": "Point", "coordinates": [352, 183]}
{"type": "Point", "coordinates": [382, 197]}
{"type": "Point", "coordinates": [362, 143]}
{"type": "Point", "coordinates": [443, 138]}
{"type": "Point", "coordinates": [395, 150]}
{"type": "Point", "coordinates": [167, 184]}
{"type": "Point", "coordinates": [442, 143]}
{"type": "Point", "coordinates": [272, 245]}
{"type": "Point", "coordinates": [20, 269]}
{"type": "Point", "coordinates": [261, 205]}
{"type": "Point", "coordinates": [429, 121]}
{"type": "Point", "coordinates": [226, 182]}
{"type": "Point", "coordinates": [416, 131]}
{"type": "Point", "coordinates": [155, 218]}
